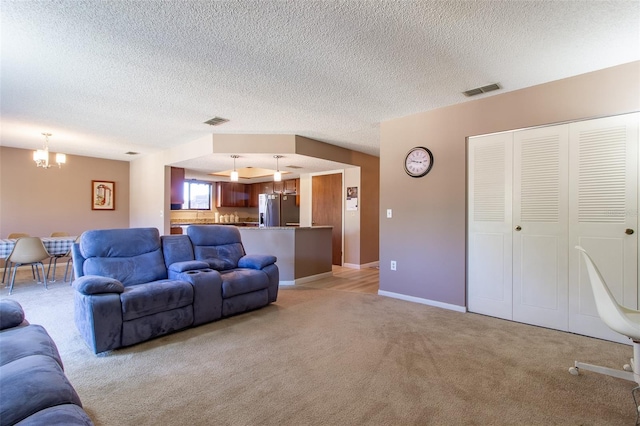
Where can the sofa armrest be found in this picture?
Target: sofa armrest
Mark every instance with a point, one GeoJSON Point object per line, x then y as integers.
{"type": "Point", "coordinates": [256, 261]}
{"type": "Point", "coordinates": [207, 294]}
{"type": "Point", "coordinates": [188, 265]}
{"type": "Point", "coordinates": [95, 284]}
{"type": "Point", "coordinates": [11, 314]}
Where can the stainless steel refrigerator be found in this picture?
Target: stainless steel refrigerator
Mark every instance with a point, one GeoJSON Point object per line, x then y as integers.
{"type": "Point", "coordinates": [277, 210]}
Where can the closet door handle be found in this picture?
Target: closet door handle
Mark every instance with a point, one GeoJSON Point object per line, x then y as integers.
{"type": "Point", "coordinates": [629, 231]}
{"type": "Point", "coordinates": [518, 228]}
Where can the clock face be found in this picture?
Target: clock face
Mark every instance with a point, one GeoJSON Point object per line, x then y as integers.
{"type": "Point", "coordinates": [418, 161]}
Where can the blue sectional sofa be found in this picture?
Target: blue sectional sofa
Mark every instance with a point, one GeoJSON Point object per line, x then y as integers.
{"type": "Point", "coordinates": [33, 387]}
{"type": "Point", "coordinates": [132, 285]}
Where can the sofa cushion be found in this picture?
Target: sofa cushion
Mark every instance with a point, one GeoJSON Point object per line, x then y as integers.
{"type": "Point", "coordinates": [11, 314]}
{"type": "Point", "coordinates": [132, 270]}
{"type": "Point", "coordinates": [158, 296]}
{"type": "Point", "coordinates": [131, 256]}
{"type": "Point", "coordinates": [31, 384]}
{"type": "Point", "coordinates": [242, 281]}
{"type": "Point", "coordinates": [60, 415]}
{"type": "Point", "coordinates": [20, 342]}
{"type": "Point", "coordinates": [220, 258]}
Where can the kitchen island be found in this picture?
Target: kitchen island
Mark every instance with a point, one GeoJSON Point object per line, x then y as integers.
{"type": "Point", "coordinates": [304, 253]}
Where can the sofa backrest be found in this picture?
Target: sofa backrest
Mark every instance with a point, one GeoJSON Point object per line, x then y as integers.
{"type": "Point", "coordinates": [218, 245]}
{"type": "Point", "coordinates": [131, 256]}
{"type": "Point", "coordinates": [176, 248]}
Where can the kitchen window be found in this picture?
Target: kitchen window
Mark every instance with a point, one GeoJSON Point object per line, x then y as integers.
{"type": "Point", "coordinates": [197, 195]}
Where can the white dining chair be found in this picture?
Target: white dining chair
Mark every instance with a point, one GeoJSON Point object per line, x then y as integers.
{"type": "Point", "coordinates": [28, 251]}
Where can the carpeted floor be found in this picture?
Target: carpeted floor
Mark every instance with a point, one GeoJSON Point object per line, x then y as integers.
{"type": "Point", "coordinates": [323, 357]}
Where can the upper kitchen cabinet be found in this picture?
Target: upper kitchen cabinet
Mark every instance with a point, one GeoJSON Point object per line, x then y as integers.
{"type": "Point", "coordinates": [231, 194]}
{"type": "Point", "coordinates": [265, 187]}
{"type": "Point", "coordinates": [291, 186]}
{"type": "Point", "coordinates": [177, 186]}
{"type": "Point", "coordinates": [278, 187]}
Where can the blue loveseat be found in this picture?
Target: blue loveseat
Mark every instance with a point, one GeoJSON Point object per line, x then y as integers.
{"type": "Point", "coordinates": [33, 387]}
{"type": "Point", "coordinates": [132, 285]}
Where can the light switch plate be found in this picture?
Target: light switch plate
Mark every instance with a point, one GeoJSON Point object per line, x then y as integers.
{"type": "Point", "coordinates": [389, 213]}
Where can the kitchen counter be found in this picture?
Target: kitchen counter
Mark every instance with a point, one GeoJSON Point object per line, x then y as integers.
{"type": "Point", "coordinates": [304, 253]}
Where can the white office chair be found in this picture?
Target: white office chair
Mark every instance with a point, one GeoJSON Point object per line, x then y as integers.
{"type": "Point", "coordinates": [618, 318]}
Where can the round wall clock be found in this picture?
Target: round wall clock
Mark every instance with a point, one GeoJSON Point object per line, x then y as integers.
{"type": "Point", "coordinates": [418, 161]}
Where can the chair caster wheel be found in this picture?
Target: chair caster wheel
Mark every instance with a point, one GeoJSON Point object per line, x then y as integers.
{"type": "Point", "coordinates": [627, 367]}
{"type": "Point", "coordinates": [574, 371]}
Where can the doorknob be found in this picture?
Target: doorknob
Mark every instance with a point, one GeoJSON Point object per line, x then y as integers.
{"type": "Point", "coordinates": [629, 231]}
{"type": "Point", "coordinates": [518, 228]}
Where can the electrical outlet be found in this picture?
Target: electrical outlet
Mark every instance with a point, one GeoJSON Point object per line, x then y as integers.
{"type": "Point", "coordinates": [389, 213]}
{"type": "Point", "coordinates": [393, 265]}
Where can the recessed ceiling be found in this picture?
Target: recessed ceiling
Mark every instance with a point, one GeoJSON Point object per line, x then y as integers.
{"type": "Point", "coordinates": [110, 77]}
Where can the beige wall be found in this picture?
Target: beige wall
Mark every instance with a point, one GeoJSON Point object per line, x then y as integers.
{"type": "Point", "coordinates": [427, 234]}
{"type": "Point", "coordinates": [40, 201]}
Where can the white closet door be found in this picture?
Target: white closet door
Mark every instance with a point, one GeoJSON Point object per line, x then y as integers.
{"type": "Point", "coordinates": [603, 205]}
{"type": "Point", "coordinates": [490, 245]}
{"type": "Point", "coordinates": [540, 218]}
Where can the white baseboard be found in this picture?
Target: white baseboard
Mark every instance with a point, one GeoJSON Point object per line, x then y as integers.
{"type": "Point", "coordinates": [423, 301]}
{"type": "Point", "coordinates": [307, 279]}
{"type": "Point", "coordinates": [363, 266]}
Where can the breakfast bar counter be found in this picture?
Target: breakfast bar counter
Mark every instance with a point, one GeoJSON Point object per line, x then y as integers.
{"type": "Point", "coordinates": [304, 253]}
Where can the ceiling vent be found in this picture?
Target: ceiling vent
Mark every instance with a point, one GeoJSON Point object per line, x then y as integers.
{"type": "Point", "coordinates": [216, 121]}
{"type": "Point", "coordinates": [480, 90]}
{"type": "Point", "coordinates": [131, 153]}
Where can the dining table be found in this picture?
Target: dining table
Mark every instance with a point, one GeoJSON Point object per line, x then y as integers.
{"type": "Point", "coordinates": [56, 246]}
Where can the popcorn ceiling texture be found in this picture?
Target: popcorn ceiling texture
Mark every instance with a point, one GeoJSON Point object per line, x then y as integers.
{"type": "Point", "coordinates": [106, 77]}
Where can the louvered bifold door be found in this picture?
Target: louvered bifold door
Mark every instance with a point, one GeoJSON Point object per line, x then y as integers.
{"type": "Point", "coordinates": [489, 271]}
{"type": "Point", "coordinates": [540, 231]}
{"type": "Point", "coordinates": [603, 212]}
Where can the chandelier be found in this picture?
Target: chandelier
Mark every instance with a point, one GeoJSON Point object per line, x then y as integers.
{"type": "Point", "coordinates": [41, 156]}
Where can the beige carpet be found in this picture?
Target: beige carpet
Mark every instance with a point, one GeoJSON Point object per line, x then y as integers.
{"type": "Point", "coordinates": [323, 357]}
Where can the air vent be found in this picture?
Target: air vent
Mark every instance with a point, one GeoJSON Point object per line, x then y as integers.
{"type": "Point", "coordinates": [216, 121]}
{"type": "Point", "coordinates": [480, 90]}
{"type": "Point", "coordinates": [293, 167]}
{"type": "Point", "coordinates": [131, 153]}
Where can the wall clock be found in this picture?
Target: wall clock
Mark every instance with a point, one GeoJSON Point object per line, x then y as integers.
{"type": "Point", "coordinates": [418, 161]}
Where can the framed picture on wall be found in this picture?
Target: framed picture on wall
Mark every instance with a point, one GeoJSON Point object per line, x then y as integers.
{"type": "Point", "coordinates": [103, 195]}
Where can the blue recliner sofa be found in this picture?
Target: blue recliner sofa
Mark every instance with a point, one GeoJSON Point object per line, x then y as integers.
{"type": "Point", "coordinates": [33, 387]}
{"type": "Point", "coordinates": [132, 285]}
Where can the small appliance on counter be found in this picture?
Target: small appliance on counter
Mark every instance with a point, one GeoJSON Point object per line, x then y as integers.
{"type": "Point", "coordinates": [277, 210]}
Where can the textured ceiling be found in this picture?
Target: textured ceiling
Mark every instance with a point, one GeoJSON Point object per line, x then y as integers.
{"type": "Point", "coordinates": [107, 77]}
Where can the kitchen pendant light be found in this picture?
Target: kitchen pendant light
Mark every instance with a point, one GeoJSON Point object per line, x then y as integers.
{"type": "Point", "coordinates": [234, 173]}
{"type": "Point", "coordinates": [277, 176]}
{"type": "Point", "coordinates": [41, 156]}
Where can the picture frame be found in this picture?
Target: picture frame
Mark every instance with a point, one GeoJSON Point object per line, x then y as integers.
{"type": "Point", "coordinates": [103, 195]}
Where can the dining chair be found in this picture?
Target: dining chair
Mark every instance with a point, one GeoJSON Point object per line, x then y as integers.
{"type": "Point", "coordinates": [54, 257]}
{"type": "Point", "coordinates": [7, 264]}
{"type": "Point", "coordinates": [618, 318]}
{"type": "Point", "coordinates": [59, 234]}
{"type": "Point", "coordinates": [28, 251]}
{"type": "Point", "coordinates": [69, 263]}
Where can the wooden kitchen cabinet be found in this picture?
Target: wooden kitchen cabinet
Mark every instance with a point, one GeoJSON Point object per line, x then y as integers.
{"type": "Point", "coordinates": [265, 187]}
{"type": "Point", "coordinates": [278, 187]}
{"type": "Point", "coordinates": [231, 194]}
{"type": "Point", "coordinates": [291, 186]}
{"type": "Point", "coordinates": [254, 191]}
{"type": "Point", "coordinates": [177, 185]}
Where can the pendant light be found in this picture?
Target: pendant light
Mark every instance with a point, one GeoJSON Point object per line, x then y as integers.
{"type": "Point", "coordinates": [277, 176]}
{"type": "Point", "coordinates": [41, 156]}
{"type": "Point", "coordinates": [234, 173]}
